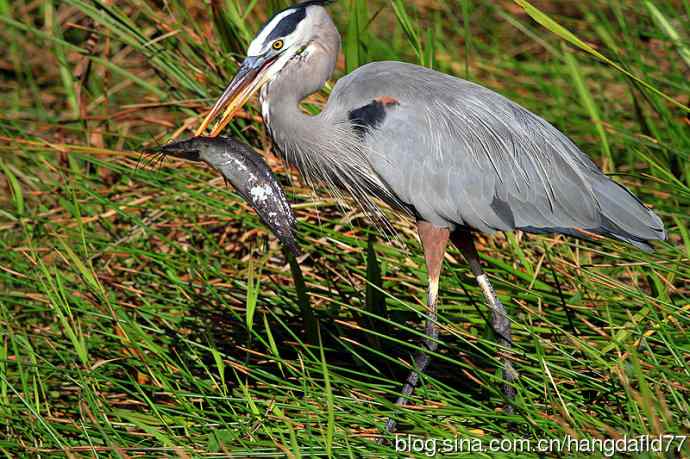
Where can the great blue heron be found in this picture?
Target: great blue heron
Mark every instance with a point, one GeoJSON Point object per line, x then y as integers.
{"type": "Point", "coordinates": [457, 156]}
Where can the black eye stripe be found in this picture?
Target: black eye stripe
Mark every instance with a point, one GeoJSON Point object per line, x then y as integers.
{"type": "Point", "coordinates": [287, 25]}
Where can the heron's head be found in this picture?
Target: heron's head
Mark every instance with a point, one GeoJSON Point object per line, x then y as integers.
{"type": "Point", "coordinates": [285, 41]}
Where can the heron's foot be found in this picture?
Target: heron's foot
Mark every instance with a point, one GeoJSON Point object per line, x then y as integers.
{"type": "Point", "coordinates": [408, 388]}
{"type": "Point", "coordinates": [509, 376]}
{"type": "Point", "coordinates": [502, 328]}
{"type": "Point", "coordinates": [389, 427]}
{"type": "Point", "coordinates": [421, 361]}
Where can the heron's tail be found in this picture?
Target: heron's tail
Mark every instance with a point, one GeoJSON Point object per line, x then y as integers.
{"type": "Point", "coordinates": [624, 217]}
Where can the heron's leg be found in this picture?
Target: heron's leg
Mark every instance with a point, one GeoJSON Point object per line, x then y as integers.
{"type": "Point", "coordinates": [434, 241]}
{"type": "Point", "coordinates": [464, 241]}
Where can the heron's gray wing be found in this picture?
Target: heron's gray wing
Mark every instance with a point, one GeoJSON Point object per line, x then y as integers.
{"type": "Point", "coordinates": [461, 154]}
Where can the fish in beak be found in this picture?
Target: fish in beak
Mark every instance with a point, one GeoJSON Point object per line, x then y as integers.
{"type": "Point", "coordinates": [252, 75]}
{"type": "Point", "coordinates": [246, 170]}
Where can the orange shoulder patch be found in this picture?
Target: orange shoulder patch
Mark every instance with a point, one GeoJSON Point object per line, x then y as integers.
{"type": "Point", "coordinates": [387, 100]}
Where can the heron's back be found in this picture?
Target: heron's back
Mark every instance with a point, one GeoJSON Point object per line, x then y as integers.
{"type": "Point", "coordinates": [463, 155]}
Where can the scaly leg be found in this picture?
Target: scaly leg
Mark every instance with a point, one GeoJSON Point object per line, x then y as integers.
{"type": "Point", "coordinates": [434, 241]}
{"type": "Point", "coordinates": [464, 241]}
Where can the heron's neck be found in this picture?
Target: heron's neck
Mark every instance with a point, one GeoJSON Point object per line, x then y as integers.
{"type": "Point", "coordinates": [290, 128]}
{"type": "Point", "coordinates": [323, 147]}
{"type": "Point", "coordinates": [293, 130]}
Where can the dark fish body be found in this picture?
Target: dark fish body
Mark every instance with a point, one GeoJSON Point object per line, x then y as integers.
{"type": "Point", "coordinates": [249, 174]}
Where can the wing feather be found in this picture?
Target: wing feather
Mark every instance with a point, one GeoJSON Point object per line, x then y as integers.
{"type": "Point", "coordinates": [463, 155]}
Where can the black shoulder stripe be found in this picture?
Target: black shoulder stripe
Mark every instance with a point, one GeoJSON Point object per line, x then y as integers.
{"type": "Point", "coordinates": [369, 116]}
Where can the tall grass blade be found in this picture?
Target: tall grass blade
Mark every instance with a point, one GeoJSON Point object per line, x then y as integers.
{"type": "Point", "coordinates": [546, 21]}
{"type": "Point", "coordinates": [330, 401]}
{"type": "Point", "coordinates": [590, 105]}
{"type": "Point", "coordinates": [399, 7]}
{"type": "Point", "coordinates": [310, 323]}
{"type": "Point", "coordinates": [15, 188]}
{"type": "Point", "coordinates": [356, 37]}
{"type": "Point", "coordinates": [253, 289]}
{"type": "Point", "coordinates": [666, 26]}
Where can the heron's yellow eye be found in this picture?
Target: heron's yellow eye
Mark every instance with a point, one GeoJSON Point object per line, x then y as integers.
{"type": "Point", "coordinates": [278, 45]}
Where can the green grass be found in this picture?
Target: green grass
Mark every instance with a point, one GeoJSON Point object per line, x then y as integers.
{"type": "Point", "coordinates": [124, 291]}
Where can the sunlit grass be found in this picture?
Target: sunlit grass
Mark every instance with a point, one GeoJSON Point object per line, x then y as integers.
{"type": "Point", "coordinates": [124, 290]}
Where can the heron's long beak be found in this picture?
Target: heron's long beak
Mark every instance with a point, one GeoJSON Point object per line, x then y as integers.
{"type": "Point", "coordinates": [251, 76]}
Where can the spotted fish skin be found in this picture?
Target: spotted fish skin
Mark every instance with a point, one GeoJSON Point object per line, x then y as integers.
{"type": "Point", "coordinates": [249, 174]}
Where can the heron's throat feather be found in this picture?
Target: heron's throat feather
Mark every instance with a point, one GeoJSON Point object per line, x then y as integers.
{"type": "Point", "coordinates": [265, 107]}
{"type": "Point", "coordinates": [327, 151]}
